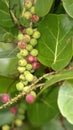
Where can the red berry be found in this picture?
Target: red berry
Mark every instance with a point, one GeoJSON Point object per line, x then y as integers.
{"type": "Point", "coordinates": [35, 18]}
{"type": "Point", "coordinates": [21, 45]}
{"type": "Point", "coordinates": [30, 58]}
{"type": "Point", "coordinates": [23, 30]}
{"type": "Point", "coordinates": [5, 98]}
{"type": "Point", "coordinates": [35, 65]}
{"type": "Point", "coordinates": [13, 110]}
{"type": "Point", "coordinates": [30, 98]}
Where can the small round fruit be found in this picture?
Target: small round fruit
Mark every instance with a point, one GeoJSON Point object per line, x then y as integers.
{"type": "Point", "coordinates": [13, 110]}
{"type": "Point", "coordinates": [22, 77]}
{"type": "Point", "coordinates": [26, 38]}
{"type": "Point", "coordinates": [25, 83]}
{"type": "Point", "coordinates": [21, 69]}
{"type": "Point", "coordinates": [33, 42]}
{"type": "Point", "coordinates": [20, 110]}
{"type": "Point", "coordinates": [23, 30]}
{"type": "Point", "coordinates": [27, 15]}
{"type": "Point", "coordinates": [26, 89]}
{"type": "Point", "coordinates": [29, 67]}
{"type": "Point", "coordinates": [34, 52]}
{"type": "Point", "coordinates": [29, 47]}
{"type": "Point", "coordinates": [35, 18]}
{"type": "Point", "coordinates": [19, 55]}
{"type": "Point", "coordinates": [36, 34]}
{"type": "Point", "coordinates": [33, 93]}
{"type": "Point", "coordinates": [24, 52]}
{"type": "Point", "coordinates": [21, 45]}
{"type": "Point", "coordinates": [30, 98]}
{"type": "Point", "coordinates": [26, 72]}
{"type": "Point", "coordinates": [22, 62]}
{"type": "Point", "coordinates": [30, 58]}
{"type": "Point", "coordinates": [29, 31]}
{"type": "Point", "coordinates": [5, 127]}
{"type": "Point", "coordinates": [20, 116]}
{"type": "Point", "coordinates": [35, 65]}
{"type": "Point", "coordinates": [27, 4]}
{"type": "Point", "coordinates": [20, 37]}
{"type": "Point", "coordinates": [32, 10]}
{"type": "Point", "coordinates": [29, 77]}
{"type": "Point", "coordinates": [19, 86]}
{"type": "Point", "coordinates": [5, 98]}
{"type": "Point", "coordinates": [18, 122]}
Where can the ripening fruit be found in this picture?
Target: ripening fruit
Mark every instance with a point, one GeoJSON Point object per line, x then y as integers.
{"type": "Point", "coordinates": [24, 52]}
{"type": "Point", "coordinates": [27, 15]}
{"type": "Point", "coordinates": [22, 62]}
{"type": "Point", "coordinates": [21, 45]}
{"type": "Point", "coordinates": [18, 122]}
{"type": "Point", "coordinates": [30, 98]}
{"type": "Point", "coordinates": [13, 110]}
{"type": "Point", "coordinates": [29, 67]}
{"type": "Point", "coordinates": [27, 4]}
{"type": "Point", "coordinates": [34, 52]}
{"type": "Point", "coordinates": [25, 83]}
{"type": "Point", "coordinates": [35, 18]}
{"type": "Point", "coordinates": [21, 69]}
{"type": "Point", "coordinates": [26, 89]}
{"type": "Point", "coordinates": [20, 37]}
{"type": "Point", "coordinates": [29, 77]}
{"type": "Point", "coordinates": [26, 38]}
{"type": "Point", "coordinates": [5, 127]}
{"type": "Point", "coordinates": [35, 65]}
{"type": "Point", "coordinates": [30, 58]}
{"type": "Point", "coordinates": [5, 98]}
{"type": "Point", "coordinates": [36, 34]}
{"type": "Point", "coordinates": [29, 31]}
{"type": "Point", "coordinates": [22, 77]}
{"type": "Point", "coordinates": [32, 10]}
{"type": "Point", "coordinates": [33, 42]}
{"type": "Point", "coordinates": [29, 47]}
{"type": "Point", "coordinates": [23, 30]}
{"type": "Point", "coordinates": [26, 72]}
{"type": "Point", "coordinates": [19, 55]}
{"type": "Point", "coordinates": [19, 86]}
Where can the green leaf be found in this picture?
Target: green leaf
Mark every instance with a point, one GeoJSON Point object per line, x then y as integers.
{"type": "Point", "coordinates": [65, 99]}
{"type": "Point", "coordinates": [55, 43]}
{"type": "Point", "coordinates": [43, 7]}
{"type": "Point", "coordinates": [68, 6]}
{"type": "Point", "coordinates": [41, 112]}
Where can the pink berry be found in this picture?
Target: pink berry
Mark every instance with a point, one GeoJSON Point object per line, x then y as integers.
{"type": "Point", "coordinates": [23, 30]}
{"type": "Point", "coordinates": [35, 18]}
{"type": "Point", "coordinates": [30, 98]}
{"type": "Point", "coordinates": [5, 98]}
{"type": "Point", "coordinates": [13, 110]}
{"type": "Point", "coordinates": [21, 45]}
{"type": "Point", "coordinates": [30, 58]}
{"type": "Point", "coordinates": [35, 65]}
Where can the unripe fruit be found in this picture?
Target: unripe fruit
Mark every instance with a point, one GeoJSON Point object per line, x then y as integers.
{"type": "Point", "coordinates": [22, 62]}
{"type": "Point", "coordinates": [24, 52]}
{"type": "Point", "coordinates": [22, 77]}
{"type": "Point", "coordinates": [21, 45]}
{"type": "Point", "coordinates": [35, 65]}
{"type": "Point", "coordinates": [29, 47]}
{"type": "Point", "coordinates": [30, 98]}
{"type": "Point", "coordinates": [34, 52]}
{"type": "Point", "coordinates": [26, 72]}
{"type": "Point", "coordinates": [33, 42]}
{"type": "Point", "coordinates": [30, 58]}
{"type": "Point", "coordinates": [32, 10]}
{"type": "Point", "coordinates": [5, 127]}
{"type": "Point", "coordinates": [20, 37]}
{"type": "Point", "coordinates": [20, 116]}
{"type": "Point", "coordinates": [26, 89]}
{"type": "Point", "coordinates": [33, 93]}
{"type": "Point", "coordinates": [13, 110]}
{"type": "Point", "coordinates": [36, 34]}
{"type": "Point", "coordinates": [21, 69]}
{"type": "Point", "coordinates": [29, 31]}
{"type": "Point", "coordinates": [19, 56]}
{"type": "Point", "coordinates": [35, 18]}
{"type": "Point", "coordinates": [20, 110]}
{"type": "Point", "coordinates": [19, 86]}
{"type": "Point", "coordinates": [29, 77]}
{"type": "Point", "coordinates": [28, 4]}
{"type": "Point", "coordinates": [29, 67]}
{"type": "Point", "coordinates": [18, 122]}
{"type": "Point", "coordinates": [25, 83]}
{"type": "Point", "coordinates": [5, 98]}
{"type": "Point", "coordinates": [26, 38]}
{"type": "Point", "coordinates": [27, 15]}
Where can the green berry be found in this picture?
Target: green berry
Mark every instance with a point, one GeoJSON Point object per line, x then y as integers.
{"type": "Point", "coordinates": [29, 31]}
{"type": "Point", "coordinates": [5, 127]}
{"type": "Point", "coordinates": [32, 10]}
{"type": "Point", "coordinates": [26, 72]}
{"type": "Point", "coordinates": [20, 37]}
{"type": "Point", "coordinates": [29, 67]}
{"type": "Point", "coordinates": [20, 110]}
{"type": "Point", "coordinates": [27, 38]}
{"type": "Point", "coordinates": [22, 77]}
{"type": "Point", "coordinates": [19, 86]}
{"type": "Point", "coordinates": [29, 47]}
{"type": "Point", "coordinates": [29, 77]}
{"type": "Point", "coordinates": [34, 52]}
{"type": "Point", "coordinates": [20, 116]}
{"type": "Point", "coordinates": [33, 93]}
{"type": "Point", "coordinates": [25, 83]}
{"type": "Point", "coordinates": [24, 52]}
{"type": "Point", "coordinates": [28, 4]}
{"type": "Point", "coordinates": [33, 42]}
{"type": "Point", "coordinates": [22, 62]}
{"type": "Point", "coordinates": [27, 15]}
{"type": "Point", "coordinates": [19, 55]}
{"type": "Point", "coordinates": [18, 122]}
{"type": "Point", "coordinates": [36, 34]}
{"type": "Point", "coordinates": [21, 69]}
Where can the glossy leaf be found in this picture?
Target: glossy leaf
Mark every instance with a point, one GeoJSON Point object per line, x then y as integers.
{"type": "Point", "coordinates": [55, 43]}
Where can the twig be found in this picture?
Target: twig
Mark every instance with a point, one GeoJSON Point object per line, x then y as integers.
{"type": "Point", "coordinates": [62, 122]}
